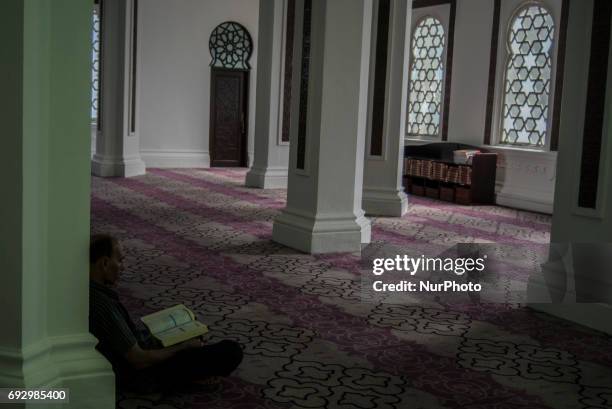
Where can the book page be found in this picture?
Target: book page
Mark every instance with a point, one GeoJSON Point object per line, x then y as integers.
{"type": "Point", "coordinates": [182, 333]}
{"type": "Point", "coordinates": [167, 319]}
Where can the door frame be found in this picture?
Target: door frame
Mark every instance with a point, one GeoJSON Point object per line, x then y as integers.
{"type": "Point", "coordinates": [244, 103]}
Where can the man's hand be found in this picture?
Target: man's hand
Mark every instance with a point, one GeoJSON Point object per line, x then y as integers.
{"type": "Point", "coordinates": [193, 343]}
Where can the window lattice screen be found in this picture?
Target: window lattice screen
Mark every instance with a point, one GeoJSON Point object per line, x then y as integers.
{"type": "Point", "coordinates": [95, 65]}
{"type": "Point", "coordinates": [426, 78]}
{"type": "Point", "coordinates": [528, 77]}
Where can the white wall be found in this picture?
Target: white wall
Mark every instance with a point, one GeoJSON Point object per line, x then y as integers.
{"type": "Point", "coordinates": [525, 179]}
{"type": "Point", "coordinates": [174, 100]}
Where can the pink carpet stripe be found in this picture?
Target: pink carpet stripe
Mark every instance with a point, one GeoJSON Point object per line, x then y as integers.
{"type": "Point", "coordinates": [226, 190]}
{"type": "Point", "coordinates": [421, 201]}
{"type": "Point", "coordinates": [264, 230]}
{"type": "Point", "coordinates": [226, 172]}
{"type": "Point", "coordinates": [407, 358]}
{"type": "Point", "coordinates": [436, 204]}
{"type": "Point", "coordinates": [378, 232]}
{"type": "Point", "coordinates": [256, 229]}
{"type": "Point", "coordinates": [468, 231]}
{"type": "Point", "coordinates": [559, 334]}
{"type": "Point", "coordinates": [253, 198]}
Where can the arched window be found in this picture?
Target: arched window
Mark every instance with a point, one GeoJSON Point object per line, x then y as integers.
{"type": "Point", "coordinates": [95, 64]}
{"type": "Point", "coordinates": [426, 78]}
{"type": "Point", "coordinates": [527, 80]}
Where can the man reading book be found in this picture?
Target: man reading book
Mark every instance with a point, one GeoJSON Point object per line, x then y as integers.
{"type": "Point", "coordinates": [138, 359]}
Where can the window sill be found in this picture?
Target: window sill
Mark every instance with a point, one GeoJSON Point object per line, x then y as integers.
{"type": "Point", "coordinates": [521, 151]}
{"type": "Point", "coordinates": [419, 141]}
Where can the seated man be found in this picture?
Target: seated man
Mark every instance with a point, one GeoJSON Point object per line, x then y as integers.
{"type": "Point", "coordinates": [135, 354]}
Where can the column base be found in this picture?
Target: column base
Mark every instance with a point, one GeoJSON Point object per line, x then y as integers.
{"type": "Point", "coordinates": [321, 234]}
{"type": "Point", "coordinates": [267, 178]}
{"type": "Point", "coordinates": [117, 167]}
{"type": "Point", "coordinates": [549, 292]}
{"type": "Point", "coordinates": [592, 315]}
{"type": "Point", "coordinates": [385, 202]}
{"type": "Point", "coordinates": [62, 362]}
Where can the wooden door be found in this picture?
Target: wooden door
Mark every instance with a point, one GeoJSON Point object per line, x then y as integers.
{"type": "Point", "coordinates": [228, 117]}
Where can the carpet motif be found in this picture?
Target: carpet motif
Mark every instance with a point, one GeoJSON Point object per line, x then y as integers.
{"type": "Point", "coordinates": [311, 337]}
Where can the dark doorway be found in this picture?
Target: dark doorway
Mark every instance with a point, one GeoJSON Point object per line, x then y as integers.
{"type": "Point", "coordinates": [228, 117]}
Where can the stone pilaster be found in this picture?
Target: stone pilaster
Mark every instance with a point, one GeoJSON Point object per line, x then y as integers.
{"type": "Point", "coordinates": [330, 70]}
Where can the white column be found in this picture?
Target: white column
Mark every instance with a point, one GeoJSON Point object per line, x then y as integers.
{"type": "Point", "coordinates": [323, 212]}
{"type": "Point", "coordinates": [383, 191]}
{"type": "Point", "coordinates": [575, 283]}
{"type": "Point", "coordinates": [271, 156]}
{"type": "Point", "coordinates": [44, 214]}
{"type": "Point", "coordinates": [118, 142]}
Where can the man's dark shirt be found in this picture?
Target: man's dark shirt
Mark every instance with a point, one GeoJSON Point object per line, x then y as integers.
{"type": "Point", "coordinates": [110, 322]}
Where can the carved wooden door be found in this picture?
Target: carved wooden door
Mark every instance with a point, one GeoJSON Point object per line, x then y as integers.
{"type": "Point", "coordinates": [228, 116]}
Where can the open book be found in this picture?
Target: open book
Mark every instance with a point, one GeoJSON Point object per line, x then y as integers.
{"type": "Point", "coordinates": [173, 325]}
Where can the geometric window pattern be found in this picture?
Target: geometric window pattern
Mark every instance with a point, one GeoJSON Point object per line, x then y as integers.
{"type": "Point", "coordinates": [230, 46]}
{"type": "Point", "coordinates": [528, 77]}
{"type": "Point", "coordinates": [95, 65]}
{"type": "Point", "coordinates": [426, 75]}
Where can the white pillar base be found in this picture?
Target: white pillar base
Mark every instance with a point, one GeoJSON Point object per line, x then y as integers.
{"type": "Point", "coordinates": [385, 202]}
{"type": "Point", "coordinates": [267, 178]}
{"type": "Point", "coordinates": [592, 315]}
{"type": "Point", "coordinates": [117, 167]}
{"type": "Point", "coordinates": [321, 234]}
{"type": "Point", "coordinates": [62, 362]}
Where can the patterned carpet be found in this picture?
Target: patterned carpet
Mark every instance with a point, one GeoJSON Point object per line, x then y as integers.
{"type": "Point", "coordinates": [310, 339]}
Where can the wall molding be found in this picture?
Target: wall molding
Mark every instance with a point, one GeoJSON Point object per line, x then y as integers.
{"type": "Point", "coordinates": [175, 158]}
